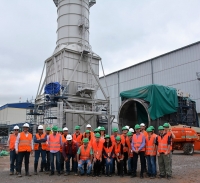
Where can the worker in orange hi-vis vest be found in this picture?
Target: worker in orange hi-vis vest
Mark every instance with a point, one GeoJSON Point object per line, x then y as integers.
{"type": "Point", "coordinates": [163, 142]}
{"type": "Point", "coordinates": [108, 154]}
{"type": "Point", "coordinates": [89, 127]}
{"type": "Point", "coordinates": [23, 147]}
{"type": "Point", "coordinates": [13, 156]}
{"type": "Point", "coordinates": [77, 136]}
{"type": "Point", "coordinates": [55, 142]}
{"type": "Point", "coordinates": [138, 147]}
{"type": "Point", "coordinates": [40, 144]}
{"type": "Point", "coordinates": [171, 134]}
{"type": "Point", "coordinates": [88, 135]}
{"type": "Point", "coordinates": [97, 147]}
{"type": "Point", "coordinates": [130, 153]}
{"type": "Point", "coordinates": [151, 153]}
{"type": "Point", "coordinates": [47, 168]}
{"type": "Point", "coordinates": [64, 136]}
{"type": "Point", "coordinates": [125, 141]}
{"type": "Point", "coordinates": [85, 155]}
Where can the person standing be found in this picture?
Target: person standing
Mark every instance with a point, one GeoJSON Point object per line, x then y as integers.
{"type": "Point", "coordinates": [163, 142]}
{"type": "Point", "coordinates": [48, 131]}
{"type": "Point", "coordinates": [23, 147]}
{"type": "Point", "coordinates": [125, 142]}
{"type": "Point", "coordinates": [40, 145]}
{"type": "Point", "coordinates": [130, 153]}
{"type": "Point", "coordinates": [151, 153]}
{"type": "Point", "coordinates": [97, 147]}
{"type": "Point", "coordinates": [70, 148]}
{"type": "Point", "coordinates": [108, 153]}
{"type": "Point", "coordinates": [119, 154]}
{"type": "Point", "coordinates": [13, 156]}
{"type": "Point", "coordinates": [55, 142]}
{"type": "Point", "coordinates": [77, 136]}
{"type": "Point", "coordinates": [138, 147]}
{"type": "Point", "coordinates": [85, 155]}
{"type": "Point", "coordinates": [64, 133]}
{"type": "Point", "coordinates": [89, 127]}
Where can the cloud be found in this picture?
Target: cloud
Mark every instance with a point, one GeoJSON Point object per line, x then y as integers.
{"type": "Point", "coordinates": [123, 33]}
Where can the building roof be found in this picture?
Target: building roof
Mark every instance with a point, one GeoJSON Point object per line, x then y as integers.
{"type": "Point", "coordinates": [152, 59]}
{"type": "Point", "coordinates": [22, 105]}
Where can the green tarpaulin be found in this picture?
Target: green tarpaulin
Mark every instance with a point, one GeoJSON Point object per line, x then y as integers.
{"type": "Point", "coordinates": [162, 100]}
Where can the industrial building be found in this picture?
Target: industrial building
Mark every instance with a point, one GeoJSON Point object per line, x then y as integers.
{"type": "Point", "coordinates": [178, 69]}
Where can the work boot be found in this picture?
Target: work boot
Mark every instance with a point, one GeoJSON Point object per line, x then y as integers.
{"type": "Point", "coordinates": [161, 176]}
{"type": "Point", "coordinates": [35, 168]}
{"type": "Point", "coordinates": [19, 175]}
{"type": "Point", "coordinates": [28, 174]}
{"type": "Point", "coordinates": [169, 177]}
{"type": "Point", "coordinates": [41, 169]}
{"type": "Point", "coordinates": [52, 173]}
{"type": "Point", "coordinates": [141, 176]}
{"type": "Point", "coordinates": [11, 173]}
{"type": "Point", "coordinates": [133, 175]}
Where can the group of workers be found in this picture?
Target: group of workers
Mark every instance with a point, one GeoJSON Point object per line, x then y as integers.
{"type": "Point", "coordinates": [93, 153]}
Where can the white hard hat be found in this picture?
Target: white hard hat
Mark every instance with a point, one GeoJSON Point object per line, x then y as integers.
{"type": "Point", "coordinates": [127, 127]}
{"type": "Point", "coordinates": [69, 137]}
{"type": "Point", "coordinates": [40, 127]}
{"type": "Point", "coordinates": [88, 126]}
{"type": "Point", "coordinates": [26, 125]}
{"type": "Point", "coordinates": [16, 127]}
{"type": "Point", "coordinates": [131, 130]}
{"type": "Point", "coordinates": [99, 127]}
{"type": "Point", "coordinates": [65, 129]}
{"type": "Point", "coordinates": [142, 124]}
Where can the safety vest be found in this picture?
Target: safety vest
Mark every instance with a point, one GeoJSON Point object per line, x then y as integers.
{"type": "Point", "coordinates": [118, 150]}
{"type": "Point", "coordinates": [25, 143]}
{"type": "Point", "coordinates": [145, 133]}
{"type": "Point", "coordinates": [170, 134]}
{"type": "Point", "coordinates": [162, 143]}
{"type": "Point", "coordinates": [43, 144]}
{"type": "Point", "coordinates": [13, 138]}
{"type": "Point", "coordinates": [130, 151]}
{"type": "Point", "coordinates": [85, 153]}
{"type": "Point", "coordinates": [54, 142]}
{"type": "Point", "coordinates": [125, 141]}
{"type": "Point", "coordinates": [63, 141]}
{"type": "Point", "coordinates": [137, 141]}
{"type": "Point", "coordinates": [108, 151]}
{"type": "Point", "coordinates": [112, 137]}
{"type": "Point", "coordinates": [73, 145]}
{"type": "Point", "coordinates": [97, 148]}
{"type": "Point", "coordinates": [47, 145]}
{"type": "Point", "coordinates": [150, 145]}
{"type": "Point", "coordinates": [78, 138]}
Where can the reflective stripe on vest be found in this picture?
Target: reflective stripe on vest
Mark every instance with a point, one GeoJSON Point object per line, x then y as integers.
{"type": "Point", "coordinates": [25, 142]}
{"type": "Point", "coordinates": [150, 145]}
{"type": "Point", "coordinates": [118, 150]}
{"type": "Point", "coordinates": [43, 144]}
{"type": "Point", "coordinates": [85, 153]}
{"type": "Point", "coordinates": [54, 142]}
{"type": "Point", "coordinates": [108, 151]}
{"type": "Point", "coordinates": [137, 141]}
{"type": "Point", "coordinates": [13, 138]}
{"type": "Point", "coordinates": [163, 144]}
{"type": "Point", "coordinates": [97, 148]}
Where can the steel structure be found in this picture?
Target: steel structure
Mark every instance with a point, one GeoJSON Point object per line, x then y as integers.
{"type": "Point", "coordinates": [76, 67]}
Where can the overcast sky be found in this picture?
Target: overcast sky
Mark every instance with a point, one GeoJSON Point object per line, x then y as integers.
{"type": "Point", "coordinates": [122, 32]}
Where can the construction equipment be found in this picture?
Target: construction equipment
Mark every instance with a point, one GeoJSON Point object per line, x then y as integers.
{"type": "Point", "coordinates": [186, 139]}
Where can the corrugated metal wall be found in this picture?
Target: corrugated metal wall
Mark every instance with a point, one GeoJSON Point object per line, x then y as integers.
{"type": "Point", "coordinates": [176, 69]}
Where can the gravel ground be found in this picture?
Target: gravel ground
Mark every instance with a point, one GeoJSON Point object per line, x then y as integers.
{"type": "Point", "coordinates": [185, 169]}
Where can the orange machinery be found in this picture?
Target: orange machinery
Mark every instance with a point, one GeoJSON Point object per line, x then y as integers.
{"type": "Point", "coordinates": [187, 139]}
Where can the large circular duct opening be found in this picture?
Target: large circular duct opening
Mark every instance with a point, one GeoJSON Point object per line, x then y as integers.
{"type": "Point", "coordinates": [132, 112]}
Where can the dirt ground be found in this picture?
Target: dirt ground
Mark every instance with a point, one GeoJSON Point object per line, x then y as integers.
{"type": "Point", "coordinates": [186, 169]}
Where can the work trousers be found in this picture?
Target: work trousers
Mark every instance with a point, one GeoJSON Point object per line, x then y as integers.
{"type": "Point", "coordinates": [43, 155]}
{"type": "Point", "coordinates": [61, 162]}
{"type": "Point", "coordinates": [48, 161]}
{"type": "Point", "coordinates": [80, 166]}
{"type": "Point", "coordinates": [74, 163]}
{"type": "Point", "coordinates": [130, 165]}
{"type": "Point", "coordinates": [57, 155]}
{"type": "Point", "coordinates": [23, 155]}
{"type": "Point", "coordinates": [109, 165]}
{"type": "Point", "coordinates": [142, 161]}
{"type": "Point", "coordinates": [164, 164]}
{"type": "Point", "coordinates": [120, 167]}
{"type": "Point", "coordinates": [103, 166]}
{"type": "Point", "coordinates": [13, 161]}
{"type": "Point", "coordinates": [170, 156]}
{"type": "Point", "coordinates": [97, 167]}
{"type": "Point", "coordinates": [114, 160]}
{"type": "Point", "coordinates": [125, 162]}
{"type": "Point", "coordinates": [151, 162]}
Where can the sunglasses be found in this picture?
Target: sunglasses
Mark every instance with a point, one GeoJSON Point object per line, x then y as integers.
{"type": "Point", "coordinates": [16, 130]}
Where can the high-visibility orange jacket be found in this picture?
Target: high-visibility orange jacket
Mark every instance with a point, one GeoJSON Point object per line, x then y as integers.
{"type": "Point", "coordinates": [25, 143]}
{"type": "Point", "coordinates": [170, 134]}
{"type": "Point", "coordinates": [150, 145]}
{"type": "Point", "coordinates": [112, 137]}
{"type": "Point", "coordinates": [97, 148]}
{"type": "Point", "coordinates": [85, 153]}
{"type": "Point", "coordinates": [78, 138]}
{"type": "Point", "coordinates": [63, 141]}
{"type": "Point", "coordinates": [108, 151]}
{"type": "Point", "coordinates": [118, 150]}
{"type": "Point", "coordinates": [145, 133]}
{"type": "Point", "coordinates": [13, 138]}
{"type": "Point", "coordinates": [47, 146]}
{"type": "Point", "coordinates": [43, 144]}
{"type": "Point", "coordinates": [137, 141]}
{"type": "Point", "coordinates": [130, 151]}
{"type": "Point", "coordinates": [162, 143]}
{"type": "Point", "coordinates": [54, 142]}
{"type": "Point", "coordinates": [125, 142]}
